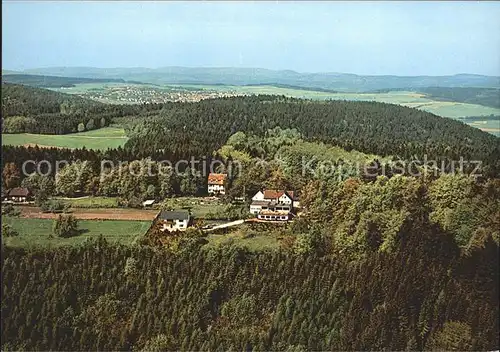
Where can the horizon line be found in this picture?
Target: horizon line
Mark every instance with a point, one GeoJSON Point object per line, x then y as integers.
{"type": "Point", "coordinates": [242, 68]}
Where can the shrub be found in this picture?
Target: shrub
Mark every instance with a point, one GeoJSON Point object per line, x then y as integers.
{"type": "Point", "coordinates": [54, 206]}
{"type": "Point", "coordinates": [8, 209]}
{"type": "Point", "coordinates": [65, 226]}
{"type": "Point", "coordinates": [8, 231]}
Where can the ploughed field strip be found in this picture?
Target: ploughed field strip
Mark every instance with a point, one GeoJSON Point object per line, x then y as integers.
{"type": "Point", "coordinates": [93, 214]}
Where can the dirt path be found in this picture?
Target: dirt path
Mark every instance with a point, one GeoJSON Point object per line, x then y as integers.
{"type": "Point", "coordinates": [229, 224]}
{"type": "Point", "coordinates": [93, 214]}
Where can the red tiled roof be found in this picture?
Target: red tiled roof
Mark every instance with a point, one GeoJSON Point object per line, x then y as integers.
{"type": "Point", "coordinates": [275, 194]}
{"type": "Point", "coordinates": [216, 179]}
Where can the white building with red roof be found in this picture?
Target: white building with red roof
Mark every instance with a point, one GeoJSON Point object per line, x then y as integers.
{"type": "Point", "coordinates": [273, 204]}
{"type": "Point", "coordinates": [217, 184]}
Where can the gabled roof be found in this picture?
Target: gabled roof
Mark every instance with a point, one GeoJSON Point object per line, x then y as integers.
{"type": "Point", "coordinates": [19, 192]}
{"type": "Point", "coordinates": [275, 194]}
{"type": "Point", "coordinates": [216, 179]}
{"type": "Point", "coordinates": [174, 215]}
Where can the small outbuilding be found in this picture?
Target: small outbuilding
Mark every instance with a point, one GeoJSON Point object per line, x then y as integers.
{"type": "Point", "coordinates": [19, 194]}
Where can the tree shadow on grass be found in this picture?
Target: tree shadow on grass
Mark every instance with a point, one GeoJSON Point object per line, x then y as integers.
{"type": "Point", "coordinates": [81, 232]}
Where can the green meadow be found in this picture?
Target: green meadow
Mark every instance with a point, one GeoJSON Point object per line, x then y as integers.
{"type": "Point", "coordinates": [37, 232]}
{"type": "Point", "coordinates": [103, 138]}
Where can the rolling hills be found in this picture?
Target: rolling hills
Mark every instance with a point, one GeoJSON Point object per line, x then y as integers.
{"type": "Point", "coordinates": [244, 76]}
{"type": "Point", "coordinates": [54, 81]}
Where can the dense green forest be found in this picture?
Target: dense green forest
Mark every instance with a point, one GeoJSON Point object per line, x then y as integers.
{"type": "Point", "coordinates": [195, 129]}
{"type": "Point", "coordinates": [53, 81]}
{"type": "Point", "coordinates": [37, 110]}
{"type": "Point", "coordinates": [373, 262]}
{"type": "Point", "coordinates": [426, 295]}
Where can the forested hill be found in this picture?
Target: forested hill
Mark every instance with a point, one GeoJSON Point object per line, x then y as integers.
{"type": "Point", "coordinates": [24, 100]}
{"type": "Point", "coordinates": [188, 129]}
{"type": "Point", "coordinates": [100, 297]}
{"type": "Point", "coordinates": [37, 110]}
{"type": "Point", "coordinates": [54, 81]}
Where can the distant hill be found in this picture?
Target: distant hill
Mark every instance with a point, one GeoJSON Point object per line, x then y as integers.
{"type": "Point", "coordinates": [250, 76]}
{"type": "Point", "coordinates": [471, 95]}
{"type": "Point", "coordinates": [28, 109]}
{"type": "Point", "coordinates": [53, 81]}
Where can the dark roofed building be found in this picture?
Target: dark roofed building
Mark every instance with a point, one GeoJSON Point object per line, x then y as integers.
{"type": "Point", "coordinates": [174, 215]}
{"type": "Point", "coordinates": [19, 194]}
{"type": "Point", "coordinates": [174, 220]}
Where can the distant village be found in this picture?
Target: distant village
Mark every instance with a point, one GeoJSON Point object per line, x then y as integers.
{"type": "Point", "coordinates": [147, 95]}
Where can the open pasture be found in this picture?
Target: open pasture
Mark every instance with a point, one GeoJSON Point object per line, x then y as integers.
{"type": "Point", "coordinates": [37, 232]}
{"type": "Point", "coordinates": [102, 139]}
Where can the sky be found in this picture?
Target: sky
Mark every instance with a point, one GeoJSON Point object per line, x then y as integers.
{"type": "Point", "coordinates": [371, 38]}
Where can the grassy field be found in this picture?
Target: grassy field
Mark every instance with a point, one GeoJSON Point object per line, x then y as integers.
{"type": "Point", "coordinates": [91, 202]}
{"type": "Point", "coordinates": [255, 243]}
{"type": "Point", "coordinates": [200, 207]}
{"type": "Point", "coordinates": [104, 138]}
{"type": "Point", "coordinates": [37, 232]}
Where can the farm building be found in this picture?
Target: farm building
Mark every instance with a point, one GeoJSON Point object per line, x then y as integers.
{"type": "Point", "coordinates": [178, 220]}
{"type": "Point", "coordinates": [19, 194]}
{"type": "Point", "coordinates": [217, 184]}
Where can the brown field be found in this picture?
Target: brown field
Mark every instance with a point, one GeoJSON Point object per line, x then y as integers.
{"type": "Point", "coordinates": [32, 145]}
{"type": "Point", "coordinates": [93, 214]}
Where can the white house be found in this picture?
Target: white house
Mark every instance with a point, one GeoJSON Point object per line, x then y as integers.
{"type": "Point", "coordinates": [217, 184]}
{"type": "Point", "coordinates": [174, 220]}
{"type": "Point", "coordinates": [258, 196]}
{"type": "Point", "coordinates": [257, 205]}
{"type": "Point", "coordinates": [273, 205]}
